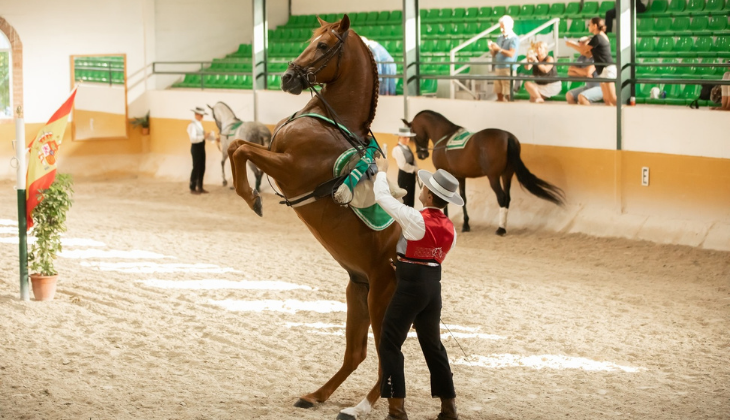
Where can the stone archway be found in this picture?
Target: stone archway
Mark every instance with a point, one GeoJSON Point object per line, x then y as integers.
{"type": "Point", "coordinates": [17, 61]}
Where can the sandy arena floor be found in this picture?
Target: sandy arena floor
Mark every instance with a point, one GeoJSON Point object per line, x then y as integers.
{"type": "Point", "coordinates": [172, 306]}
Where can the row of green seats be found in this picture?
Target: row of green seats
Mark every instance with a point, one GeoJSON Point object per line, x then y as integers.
{"type": "Point", "coordinates": [699, 25]}
{"type": "Point", "coordinates": [230, 66]}
{"type": "Point", "coordinates": [220, 81]}
{"type": "Point", "coordinates": [244, 50]}
{"type": "Point", "coordinates": [668, 70]}
{"type": "Point", "coordinates": [668, 94]}
{"type": "Point", "coordinates": [100, 62]}
{"type": "Point", "coordinates": [428, 86]}
{"type": "Point", "coordinates": [99, 76]}
{"type": "Point", "coordinates": [687, 7]}
{"type": "Point", "coordinates": [359, 18]}
{"type": "Point", "coordinates": [684, 46]}
{"type": "Point", "coordinates": [572, 10]}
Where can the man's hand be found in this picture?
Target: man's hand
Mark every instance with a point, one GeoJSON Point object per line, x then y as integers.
{"type": "Point", "coordinates": [381, 163]}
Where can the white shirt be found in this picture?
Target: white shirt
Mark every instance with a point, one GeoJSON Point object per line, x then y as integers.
{"type": "Point", "coordinates": [409, 219]}
{"type": "Point", "coordinates": [400, 159]}
{"type": "Point", "coordinates": [196, 132]}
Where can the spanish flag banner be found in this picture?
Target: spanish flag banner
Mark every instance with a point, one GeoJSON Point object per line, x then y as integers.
{"type": "Point", "coordinates": [43, 153]}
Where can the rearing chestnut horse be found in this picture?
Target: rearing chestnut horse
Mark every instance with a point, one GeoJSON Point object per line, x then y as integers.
{"type": "Point", "coordinates": [303, 152]}
{"type": "Point", "coordinates": [491, 152]}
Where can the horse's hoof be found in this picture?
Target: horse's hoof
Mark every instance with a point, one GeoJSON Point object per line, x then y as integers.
{"type": "Point", "coordinates": [501, 231]}
{"type": "Point", "coordinates": [302, 403]}
{"type": "Point", "coordinates": [465, 228]}
{"type": "Point", "coordinates": [344, 416]}
{"type": "Point", "coordinates": [225, 183]}
{"type": "Point", "coordinates": [233, 188]}
{"type": "Point", "coordinates": [257, 206]}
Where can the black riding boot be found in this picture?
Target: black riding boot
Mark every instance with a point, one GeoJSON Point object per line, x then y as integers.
{"type": "Point", "coordinates": [397, 409]}
{"type": "Point", "coordinates": [448, 409]}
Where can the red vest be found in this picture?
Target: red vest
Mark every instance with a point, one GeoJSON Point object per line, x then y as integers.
{"type": "Point", "coordinates": [437, 241]}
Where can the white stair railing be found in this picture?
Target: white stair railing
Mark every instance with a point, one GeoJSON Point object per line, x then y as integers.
{"type": "Point", "coordinates": [452, 55]}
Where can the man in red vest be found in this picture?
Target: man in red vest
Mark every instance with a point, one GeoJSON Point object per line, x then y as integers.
{"type": "Point", "coordinates": [427, 236]}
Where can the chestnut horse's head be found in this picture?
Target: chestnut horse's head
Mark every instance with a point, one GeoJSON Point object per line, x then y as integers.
{"type": "Point", "coordinates": [320, 62]}
{"type": "Point", "coordinates": [421, 139]}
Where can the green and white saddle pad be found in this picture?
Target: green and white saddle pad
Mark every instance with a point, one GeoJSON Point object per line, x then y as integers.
{"type": "Point", "coordinates": [363, 203]}
{"type": "Point", "coordinates": [458, 140]}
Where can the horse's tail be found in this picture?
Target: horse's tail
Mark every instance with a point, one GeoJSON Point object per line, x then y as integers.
{"type": "Point", "coordinates": [527, 179]}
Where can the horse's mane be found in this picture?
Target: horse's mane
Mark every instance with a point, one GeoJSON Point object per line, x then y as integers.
{"type": "Point", "coordinates": [374, 66]}
{"type": "Point", "coordinates": [437, 115]}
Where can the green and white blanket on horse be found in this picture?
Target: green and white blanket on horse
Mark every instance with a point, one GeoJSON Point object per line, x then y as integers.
{"type": "Point", "coordinates": [459, 139]}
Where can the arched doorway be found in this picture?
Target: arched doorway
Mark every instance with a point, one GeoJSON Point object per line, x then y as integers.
{"type": "Point", "coordinates": [11, 71]}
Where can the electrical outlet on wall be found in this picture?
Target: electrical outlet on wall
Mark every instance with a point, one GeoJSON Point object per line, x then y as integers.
{"type": "Point", "coordinates": [645, 176]}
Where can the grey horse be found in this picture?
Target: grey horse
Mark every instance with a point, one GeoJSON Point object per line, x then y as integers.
{"type": "Point", "coordinates": [231, 128]}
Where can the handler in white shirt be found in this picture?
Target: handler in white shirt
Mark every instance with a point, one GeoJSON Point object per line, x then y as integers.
{"type": "Point", "coordinates": [197, 149]}
{"type": "Point", "coordinates": [407, 167]}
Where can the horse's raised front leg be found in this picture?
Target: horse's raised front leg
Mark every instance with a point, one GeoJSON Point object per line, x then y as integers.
{"type": "Point", "coordinates": [356, 337]}
{"type": "Point", "coordinates": [274, 164]}
{"type": "Point", "coordinates": [224, 156]}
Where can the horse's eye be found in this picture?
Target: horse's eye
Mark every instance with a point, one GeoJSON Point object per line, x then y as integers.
{"type": "Point", "coordinates": [322, 46]}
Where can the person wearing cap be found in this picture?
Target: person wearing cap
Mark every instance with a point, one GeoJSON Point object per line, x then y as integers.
{"type": "Point", "coordinates": [406, 164]}
{"type": "Point", "coordinates": [427, 236]}
{"type": "Point", "coordinates": [197, 149]}
{"type": "Point", "coordinates": [504, 52]}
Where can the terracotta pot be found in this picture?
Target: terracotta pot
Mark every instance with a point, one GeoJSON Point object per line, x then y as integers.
{"type": "Point", "coordinates": [145, 131]}
{"type": "Point", "coordinates": [44, 287]}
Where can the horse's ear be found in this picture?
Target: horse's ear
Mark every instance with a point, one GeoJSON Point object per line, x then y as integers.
{"type": "Point", "coordinates": [405, 122]}
{"type": "Point", "coordinates": [211, 108]}
{"type": "Point", "coordinates": [344, 24]}
{"type": "Point", "coordinates": [321, 21]}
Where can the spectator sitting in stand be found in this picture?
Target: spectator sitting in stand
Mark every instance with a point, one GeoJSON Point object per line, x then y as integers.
{"type": "Point", "coordinates": [591, 92]}
{"type": "Point", "coordinates": [541, 90]}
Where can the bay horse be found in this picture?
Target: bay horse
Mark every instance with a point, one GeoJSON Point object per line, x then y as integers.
{"type": "Point", "coordinates": [301, 157]}
{"type": "Point", "coordinates": [491, 152]}
{"type": "Point", "coordinates": [230, 128]}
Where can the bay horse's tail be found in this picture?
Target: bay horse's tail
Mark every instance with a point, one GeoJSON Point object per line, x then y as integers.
{"type": "Point", "coordinates": [527, 179]}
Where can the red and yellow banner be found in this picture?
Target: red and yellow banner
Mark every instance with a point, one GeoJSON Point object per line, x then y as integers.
{"type": "Point", "coordinates": [43, 154]}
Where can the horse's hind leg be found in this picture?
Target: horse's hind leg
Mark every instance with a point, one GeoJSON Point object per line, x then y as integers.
{"type": "Point", "coordinates": [462, 189]}
{"type": "Point", "coordinates": [223, 168]}
{"type": "Point", "coordinates": [356, 335]}
{"type": "Point", "coordinates": [506, 185]}
{"type": "Point", "coordinates": [502, 200]}
{"type": "Point", "coordinates": [258, 174]}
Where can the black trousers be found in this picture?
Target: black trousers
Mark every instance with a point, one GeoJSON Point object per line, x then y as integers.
{"type": "Point", "coordinates": [196, 176]}
{"type": "Point", "coordinates": [417, 301]}
{"type": "Point", "coordinates": [407, 182]}
{"type": "Point", "coordinates": [611, 15]}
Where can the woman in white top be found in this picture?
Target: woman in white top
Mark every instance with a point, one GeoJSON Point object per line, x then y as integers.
{"type": "Point", "coordinates": [407, 167]}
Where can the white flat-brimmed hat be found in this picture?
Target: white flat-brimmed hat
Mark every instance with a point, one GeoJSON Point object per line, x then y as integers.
{"type": "Point", "coordinates": [443, 184]}
{"type": "Point", "coordinates": [199, 110]}
{"type": "Point", "coordinates": [405, 132]}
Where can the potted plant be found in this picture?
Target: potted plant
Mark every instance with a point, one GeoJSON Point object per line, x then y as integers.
{"type": "Point", "coordinates": [49, 220]}
{"type": "Point", "coordinates": [143, 122]}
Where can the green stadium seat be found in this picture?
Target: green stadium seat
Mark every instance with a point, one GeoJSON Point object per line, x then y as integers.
{"type": "Point", "coordinates": [605, 7]}
{"type": "Point", "coordinates": [695, 7]}
{"type": "Point", "coordinates": [667, 70]}
{"type": "Point", "coordinates": [396, 17]}
{"type": "Point", "coordinates": [690, 93]}
{"type": "Point", "coordinates": [714, 6]}
{"type": "Point", "coordinates": [384, 17]}
{"type": "Point", "coordinates": [572, 10]}
{"type": "Point", "coordinates": [578, 27]}
{"type": "Point", "coordinates": [657, 8]}
{"type": "Point", "coordinates": [644, 26]}
{"type": "Point", "coordinates": [527, 11]}
{"type": "Point", "coordinates": [498, 12]}
{"type": "Point", "coordinates": [699, 25]}
{"type": "Point", "coordinates": [428, 30]}
{"type": "Point", "coordinates": [675, 95]}
{"type": "Point", "coordinates": [555, 10]}
{"type": "Point", "coordinates": [688, 72]}
{"type": "Point", "coordinates": [485, 13]}
{"type": "Point", "coordinates": [590, 9]}
{"type": "Point", "coordinates": [471, 14]}
{"type": "Point", "coordinates": [721, 47]}
{"type": "Point", "coordinates": [459, 14]}
{"type": "Point", "coordinates": [273, 82]}
{"type": "Point", "coordinates": [562, 27]}
{"type": "Point", "coordinates": [432, 15]}
{"type": "Point", "coordinates": [445, 15]}
{"type": "Point", "coordinates": [676, 7]}
{"type": "Point", "coordinates": [643, 92]}
{"type": "Point", "coordinates": [680, 26]}
{"type": "Point", "coordinates": [542, 11]}
{"type": "Point", "coordinates": [665, 47]}
{"type": "Point", "coordinates": [717, 25]}
{"type": "Point", "coordinates": [662, 26]}
{"type": "Point", "coordinates": [514, 11]}
{"type": "Point", "coordinates": [429, 86]}
{"type": "Point", "coordinates": [647, 71]}
{"type": "Point", "coordinates": [646, 47]}
{"type": "Point", "coordinates": [703, 44]}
